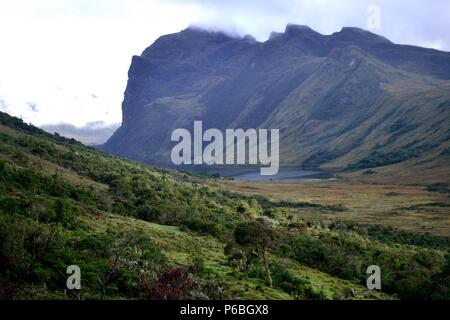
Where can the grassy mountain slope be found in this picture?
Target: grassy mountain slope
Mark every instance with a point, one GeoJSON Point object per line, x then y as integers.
{"type": "Point", "coordinates": [137, 231]}
{"type": "Point", "coordinates": [344, 115]}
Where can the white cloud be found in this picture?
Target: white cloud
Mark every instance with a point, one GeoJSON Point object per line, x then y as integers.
{"type": "Point", "coordinates": [58, 61]}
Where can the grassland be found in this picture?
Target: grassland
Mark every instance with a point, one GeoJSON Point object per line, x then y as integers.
{"type": "Point", "coordinates": [409, 208]}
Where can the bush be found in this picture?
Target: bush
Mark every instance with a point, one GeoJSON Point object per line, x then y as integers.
{"type": "Point", "coordinates": [408, 272]}
{"type": "Point", "coordinates": [173, 284]}
{"type": "Point", "coordinates": [202, 226]}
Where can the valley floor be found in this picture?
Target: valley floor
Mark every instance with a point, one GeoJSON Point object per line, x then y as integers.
{"type": "Point", "coordinates": [409, 208]}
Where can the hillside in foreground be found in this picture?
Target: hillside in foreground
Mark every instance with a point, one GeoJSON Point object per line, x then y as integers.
{"type": "Point", "coordinates": [138, 232]}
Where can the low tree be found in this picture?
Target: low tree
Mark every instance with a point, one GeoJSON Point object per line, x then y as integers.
{"type": "Point", "coordinates": [134, 257]}
{"type": "Point", "coordinates": [255, 237]}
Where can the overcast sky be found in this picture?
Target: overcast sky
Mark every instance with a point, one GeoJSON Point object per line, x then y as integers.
{"type": "Point", "coordinates": [66, 61]}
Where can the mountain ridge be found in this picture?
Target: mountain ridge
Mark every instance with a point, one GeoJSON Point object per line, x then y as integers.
{"type": "Point", "coordinates": [291, 81]}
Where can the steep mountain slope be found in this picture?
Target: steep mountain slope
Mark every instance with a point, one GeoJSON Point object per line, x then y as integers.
{"type": "Point", "coordinates": [340, 101]}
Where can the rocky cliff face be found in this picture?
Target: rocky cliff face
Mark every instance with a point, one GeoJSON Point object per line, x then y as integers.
{"type": "Point", "coordinates": [352, 99]}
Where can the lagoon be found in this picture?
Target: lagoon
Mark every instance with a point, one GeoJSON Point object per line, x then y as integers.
{"type": "Point", "coordinates": [253, 173]}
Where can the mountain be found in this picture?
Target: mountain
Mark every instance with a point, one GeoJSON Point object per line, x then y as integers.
{"type": "Point", "coordinates": [351, 100]}
{"type": "Point", "coordinates": [94, 133]}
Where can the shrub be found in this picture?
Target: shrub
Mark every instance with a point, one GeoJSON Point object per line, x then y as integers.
{"type": "Point", "coordinates": [173, 284]}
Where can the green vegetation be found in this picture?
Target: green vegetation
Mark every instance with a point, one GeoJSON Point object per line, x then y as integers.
{"type": "Point", "coordinates": [347, 255]}
{"type": "Point", "coordinates": [254, 237]}
{"type": "Point", "coordinates": [379, 159]}
{"type": "Point", "coordinates": [392, 236]}
{"type": "Point", "coordinates": [440, 187]}
{"type": "Point", "coordinates": [269, 204]}
{"type": "Point", "coordinates": [138, 232]}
